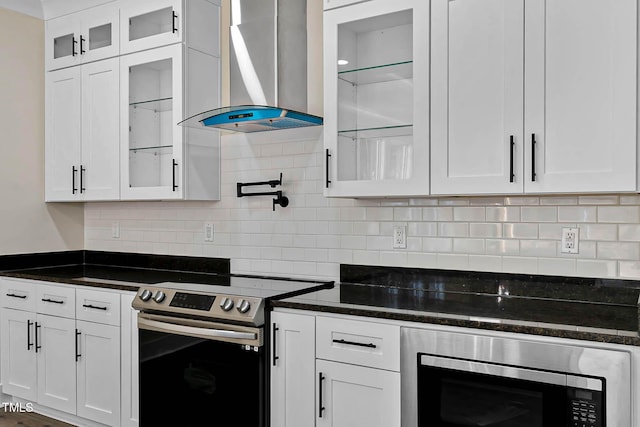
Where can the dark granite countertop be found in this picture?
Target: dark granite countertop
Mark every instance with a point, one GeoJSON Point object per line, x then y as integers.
{"type": "Point", "coordinates": [578, 308]}
{"type": "Point", "coordinates": [115, 270]}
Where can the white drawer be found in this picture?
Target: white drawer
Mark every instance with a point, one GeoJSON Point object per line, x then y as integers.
{"type": "Point", "coordinates": [358, 342]}
{"type": "Point", "coordinates": [98, 306]}
{"type": "Point", "coordinates": [56, 300]}
{"type": "Point", "coordinates": [18, 294]}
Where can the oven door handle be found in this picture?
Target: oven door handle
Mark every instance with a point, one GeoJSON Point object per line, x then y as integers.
{"type": "Point", "coordinates": [192, 330]}
{"type": "Point", "coordinates": [494, 370]}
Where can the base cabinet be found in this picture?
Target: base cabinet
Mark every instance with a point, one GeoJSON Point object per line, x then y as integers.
{"type": "Point", "coordinates": [292, 382]}
{"type": "Point", "coordinates": [357, 396]}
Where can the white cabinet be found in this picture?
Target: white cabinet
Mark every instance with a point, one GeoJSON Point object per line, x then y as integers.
{"type": "Point", "coordinates": [159, 159]}
{"type": "Point", "coordinates": [83, 36]}
{"type": "Point", "coordinates": [129, 371]}
{"type": "Point", "coordinates": [357, 396]}
{"type": "Point", "coordinates": [292, 374]}
{"type": "Point", "coordinates": [66, 356]}
{"type": "Point", "coordinates": [332, 4]}
{"type": "Point", "coordinates": [358, 372]}
{"type": "Point", "coordinates": [533, 97]}
{"type": "Point", "coordinates": [98, 372]}
{"type": "Point", "coordinates": [376, 99]}
{"type": "Point", "coordinates": [82, 147]}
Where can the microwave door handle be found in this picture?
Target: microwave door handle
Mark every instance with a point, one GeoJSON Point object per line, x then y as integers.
{"type": "Point", "coordinates": [494, 370]}
{"type": "Point", "coordinates": [191, 330]}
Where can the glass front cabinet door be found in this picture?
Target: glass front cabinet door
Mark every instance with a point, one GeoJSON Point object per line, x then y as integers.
{"type": "Point", "coordinates": [376, 83]}
{"type": "Point", "coordinates": [151, 107]}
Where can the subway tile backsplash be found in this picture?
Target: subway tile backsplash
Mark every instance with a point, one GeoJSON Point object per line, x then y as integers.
{"type": "Point", "coordinates": [314, 235]}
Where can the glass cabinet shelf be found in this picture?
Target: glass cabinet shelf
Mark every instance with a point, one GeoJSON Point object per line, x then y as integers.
{"type": "Point", "coordinates": [378, 74]}
{"type": "Point", "coordinates": [157, 105]}
{"type": "Point", "coordinates": [156, 149]}
{"type": "Point", "coordinates": [378, 132]}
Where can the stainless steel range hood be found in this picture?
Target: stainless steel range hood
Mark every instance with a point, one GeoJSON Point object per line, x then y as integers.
{"type": "Point", "coordinates": [268, 69]}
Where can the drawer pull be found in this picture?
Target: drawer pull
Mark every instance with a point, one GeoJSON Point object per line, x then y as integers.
{"type": "Point", "coordinates": [38, 346]}
{"type": "Point", "coordinates": [275, 334]}
{"type": "Point", "coordinates": [17, 296]}
{"type": "Point", "coordinates": [52, 300]}
{"type": "Point", "coordinates": [359, 344]}
{"type": "Point", "coordinates": [78, 355]}
{"type": "Point", "coordinates": [29, 343]}
{"type": "Point", "coordinates": [321, 407]}
{"type": "Point", "coordinates": [95, 307]}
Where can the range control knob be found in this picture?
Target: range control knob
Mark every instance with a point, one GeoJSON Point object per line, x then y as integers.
{"type": "Point", "coordinates": [226, 304]}
{"type": "Point", "coordinates": [145, 295]}
{"type": "Point", "coordinates": [159, 297]}
{"type": "Point", "coordinates": [243, 306]}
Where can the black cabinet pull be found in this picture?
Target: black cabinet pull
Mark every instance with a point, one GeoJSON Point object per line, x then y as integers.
{"type": "Point", "coordinates": [78, 333]}
{"type": "Point", "coordinates": [74, 42]}
{"type": "Point", "coordinates": [274, 348]}
{"type": "Point", "coordinates": [74, 170]}
{"type": "Point", "coordinates": [17, 296]}
{"type": "Point", "coordinates": [82, 40]}
{"type": "Point", "coordinates": [326, 164]}
{"type": "Point", "coordinates": [359, 344]}
{"type": "Point", "coordinates": [512, 147]}
{"type": "Point", "coordinates": [36, 334]}
{"type": "Point", "coordinates": [175, 165]}
{"type": "Point", "coordinates": [82, 171]}
{"type": "Point", "coordinates": [174, 20]}
{"type": "Point", "coordinates": [52, 300]}
{"type": "Point", "coordinates": [320, 405]}
{"type": "Point", "coordinates": [95, 307]}
{"type": "Point", "coordinates": [533, 157]}
{"type": "Point", "coordinates": [29, 343]}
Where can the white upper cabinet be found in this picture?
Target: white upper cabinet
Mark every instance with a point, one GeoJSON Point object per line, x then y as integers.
{"type": "Point", "coordinates": [477, 77]}
{"type": "Point", "coordinates": [332, 4]}
{"type": "Point", "coordinates": [535, 97]}
{"type": "Point", "coordinates": [581, 95]}
{"type": "Point", "coordinates": [150, 23]}
{"type": "Point", "coordinates": [376, 99]}
{"type": "Point", "coordinates": [82, 145]}
{"type": "Point", "coordinates": [83, 36]}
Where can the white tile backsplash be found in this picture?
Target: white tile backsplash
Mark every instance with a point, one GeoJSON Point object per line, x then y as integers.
{"type": "Point", "coordinates": [314, 234]}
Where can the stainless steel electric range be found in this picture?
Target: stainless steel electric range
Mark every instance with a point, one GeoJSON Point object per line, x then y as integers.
{"type": "Point", "coordinates": [202, 349]}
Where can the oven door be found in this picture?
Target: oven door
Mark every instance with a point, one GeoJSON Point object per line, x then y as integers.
{"type": "Point", "coordinates": [195, 373]}
{"type": "Point", "coordinates": [456, 393]}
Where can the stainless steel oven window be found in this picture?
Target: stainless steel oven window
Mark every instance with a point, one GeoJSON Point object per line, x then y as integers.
{"type": "Point", "coordinates": [577, 361]}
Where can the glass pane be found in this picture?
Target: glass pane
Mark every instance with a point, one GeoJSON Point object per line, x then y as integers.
{"type": "Point", "coordinates": [151, 24]}
{"type": "Point", "coordinates": [375, 98]}
{"type": "Point", "coordinates": [100, 36]}
{"type": "Point", "coordinates": [63, 46]}
{"type": "Point", "coordinates": [151, 124]}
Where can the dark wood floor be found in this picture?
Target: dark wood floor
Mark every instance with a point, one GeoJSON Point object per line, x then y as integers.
{"type": "Point", "coordinates": [28, 419]}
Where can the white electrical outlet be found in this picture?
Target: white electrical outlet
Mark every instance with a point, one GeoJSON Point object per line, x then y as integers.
{"type": "Point", "coordinates": [208, 232]}
{"type": "Point", "coordinates": [115, 230]}
{"type": "Point", "coordinates": [400, 237]}
{"type": "Point", "coordinates": [570, 240]}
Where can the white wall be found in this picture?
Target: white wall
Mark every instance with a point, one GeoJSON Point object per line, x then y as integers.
{"type": "Point", "coordinates": [314, 234]}
{"type": "Point", "coordinates": [27, 223]}
{"type": "Point", "coordinates": [28, 7]}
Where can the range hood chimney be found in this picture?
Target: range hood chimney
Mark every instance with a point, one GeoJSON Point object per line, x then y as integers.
{"type": "Point", "coordinates": [268, 69]}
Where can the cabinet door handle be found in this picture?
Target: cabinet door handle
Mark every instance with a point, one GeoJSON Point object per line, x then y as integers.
{"type": "Point", "coordinates": [359, 344]}
{"type": "Point", "coordinates": [326, 164]}
{"type": "Point", "coordinates": [29, 343]}
{"type": "Point", "coordinates": [82, 40]}
{"type": "Point", "coordinates": [512, 147]}
{"type": "Point", "coordinates": [175, 165]}
{"type": "Point", "coordinates": [74, 43]}
{"type": "Point", "coordinates": [320, 405]}
{"type": "Point", "coordinates": [82, 171]}
{"type": "Point", "coordinates": [95, 307]}
{"type": "Point", "coordinates": [52, 300]}
{"type": "Point", "coordinates": [174, 22]}
{"type": "Point", "coordinates": [36, 334]}
{"type": "Point", "coordinates": [74, 170]}
{"type": "Point", "coordinates": [78, 333]}
{"type": "Point", "coordinates": [17, 296]}
{"type": "Point", "coordinates": [533, 157]}
{"type": "Point", "coordinates": [274, 349]}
